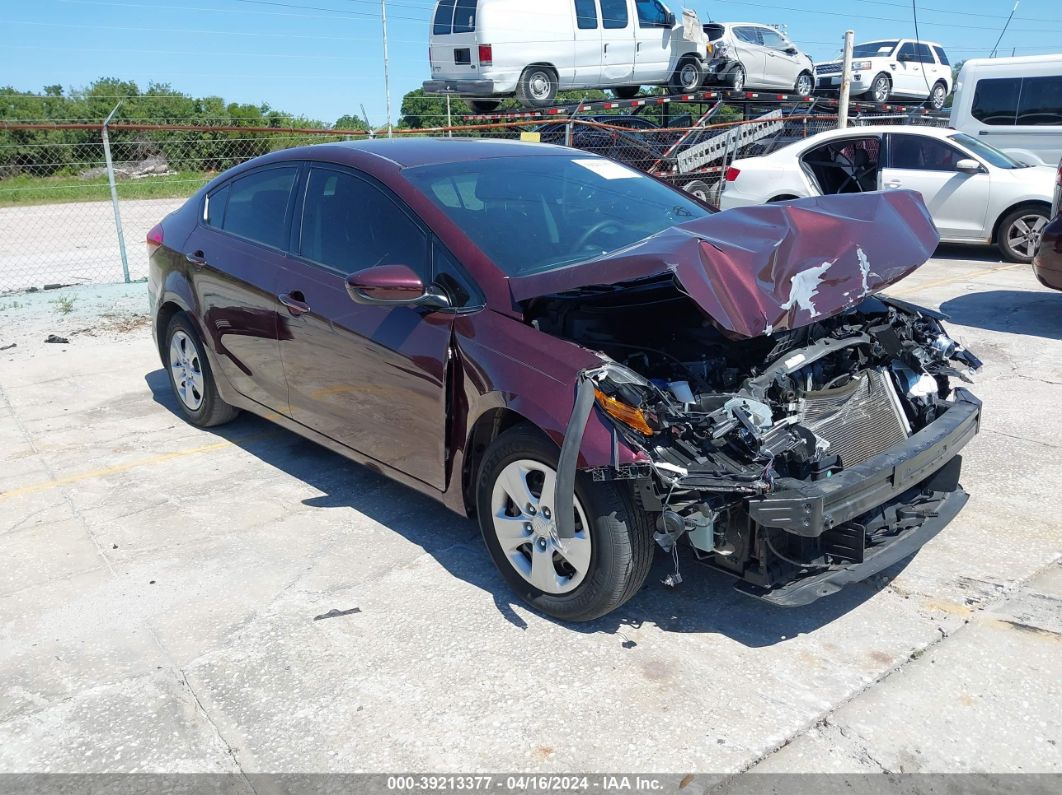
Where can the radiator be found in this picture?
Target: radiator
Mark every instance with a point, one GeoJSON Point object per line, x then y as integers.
{"type": "Point", "coordinates": [860, 419]}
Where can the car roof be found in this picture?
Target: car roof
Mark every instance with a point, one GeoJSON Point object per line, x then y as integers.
{"type": "Point", "coordinates": [408, 152]}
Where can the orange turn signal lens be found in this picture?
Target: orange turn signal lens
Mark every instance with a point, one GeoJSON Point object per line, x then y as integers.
{"type": "Point", "coordinates": [630, 416]}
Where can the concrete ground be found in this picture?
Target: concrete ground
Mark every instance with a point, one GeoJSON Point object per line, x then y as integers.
{"type": "Point", "coordinates": [164, 594]}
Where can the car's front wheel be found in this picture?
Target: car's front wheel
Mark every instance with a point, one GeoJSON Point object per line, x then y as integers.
{"type": "Point", "coordinates": [879, 89]}
{"type": "Point", "coordinates": [688, 76]}
{"type": "Point", "coordinates": [576, 579]}
{"type": "Point", "coordinates": [1019, 233]}
{"type": "Point", "coordinates": [191, 377]}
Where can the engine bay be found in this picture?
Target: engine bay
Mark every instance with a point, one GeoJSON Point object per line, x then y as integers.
{"type": "Point", "coordinates": [723, 419]}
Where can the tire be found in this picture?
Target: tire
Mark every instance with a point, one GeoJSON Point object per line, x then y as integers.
{"type": "Point", "coordinates": [938, 96]}
{"type": "Point", "coordinates": [688, 76]}
{"type": "Point", "coordinates": [483, 105]}
{"type": "Point", "coordinates": [537, 87]}
{"type": "Point", "coordinates": [805, 84]}
{"type": "Point", "coordinates": [626, 92]}
{"type": "Point", "coordinates": [190, 376]}
{"type": "Point", "coordinates": [699, 189]}
{"type": "Point", "coordinates": [737, 79]}
{"type": "Point", "coordinates": [1019, 233]}
{"type": "Point", "coordinates": [880, 89]}
{"type": "Point", "coordinates": [612, 551]}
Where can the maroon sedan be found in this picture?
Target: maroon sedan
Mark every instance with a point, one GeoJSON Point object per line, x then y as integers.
{"type": "Point", "coordinates": [581, 357]}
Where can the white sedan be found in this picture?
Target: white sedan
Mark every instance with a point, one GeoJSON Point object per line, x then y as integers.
{"type": "Point", "coordinates": [975, 193]}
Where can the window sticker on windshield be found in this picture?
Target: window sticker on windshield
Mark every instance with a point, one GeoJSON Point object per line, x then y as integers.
{"type": "Point", "coordinates": [607, 168]}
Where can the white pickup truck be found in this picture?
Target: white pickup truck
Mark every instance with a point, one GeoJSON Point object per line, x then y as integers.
{"type": "Point", "coordinates": [902, 68]}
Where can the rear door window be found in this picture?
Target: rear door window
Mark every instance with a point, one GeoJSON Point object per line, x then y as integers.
{"type": "Point", "coordinates": [922, 54]}
{"type": "Point", "coordinates": [444, 18]}
{"type": "Point", "coordinates": [941, 56]}
{"type": "Point", "coordinates": [614, 14]}
{"type": "Point", "coordinates": [465, 16]}
{"type": "Point", "coordinates": [1040, 102]}
{"type": "Point", "coordinates": [257, 206]}
{"type": "Point", "coordinates": [995, 100]}
{"type": "Point", "coordinates": [748, 35]}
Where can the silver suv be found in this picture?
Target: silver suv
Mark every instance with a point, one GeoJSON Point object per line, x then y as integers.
{"type": "Point", "coordinates": [748, 54]}
{"type": "Point", "coordinates": [889, 68]}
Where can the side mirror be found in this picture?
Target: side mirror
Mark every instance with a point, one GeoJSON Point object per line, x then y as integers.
{"type": "Point", "coordinates": [393, 285]}
{"type": "Point", "coordinates": [669, 19]}
{"type": "Point", "coordinates": [968, 165]}
{"type": "Point", "coordinates": [791, 51]}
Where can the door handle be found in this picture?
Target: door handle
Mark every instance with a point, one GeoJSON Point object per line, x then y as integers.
{"type": "Point", "coordinates": [197, 258]}
{"type": "Point", "coordinates": [893, 183]}
{"type": "Point", "coordinates": [295, 302]}
{"type": "Point", "coordinates": [605, 49]}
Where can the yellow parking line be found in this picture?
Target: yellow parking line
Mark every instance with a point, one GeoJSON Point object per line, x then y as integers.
{"type": "Point", "coordinates": [965, 277]}
{"type": "Point", "coordinates": [100, 473]}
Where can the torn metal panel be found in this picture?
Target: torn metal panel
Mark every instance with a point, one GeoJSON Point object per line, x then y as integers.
{"type": "Point", "coordinates": [760, 270]}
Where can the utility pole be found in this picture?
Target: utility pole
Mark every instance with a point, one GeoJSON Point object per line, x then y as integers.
{"type": "Point", "coordinates": [387, 72]}
{"type": "Point", "coordinates": [846, 80]}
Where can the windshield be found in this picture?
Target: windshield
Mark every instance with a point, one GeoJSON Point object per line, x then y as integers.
{"type": "Point", "coordinates": [532, 214]}
{"type": "Point", "coordinates": [873, 49]}
{"type": "Point", "coordinates": [987, 152]}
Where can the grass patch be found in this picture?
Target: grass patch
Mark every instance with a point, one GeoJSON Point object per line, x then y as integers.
{"type": "Point", "coordinates": [24, 189]}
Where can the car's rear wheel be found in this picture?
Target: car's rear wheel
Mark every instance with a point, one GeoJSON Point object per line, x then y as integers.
{"type": "Point", "coordinates": [880, 89]}
{"type": "Point", "coordinates": [737, 78]}
{"type": "Point", "coordinates": [1019, 233]}
{"type": "Point", "coordinates": [805, 84]}
{"type": "Point", "coordinates": [483, 105]}
{"type": "Point", "coordinates": [537, 87]}
{"type": "Point", "coordinates": [688, 76]}
{"type": "Point", "coordinates": [575, 579]}
{"type": "Point", "coordinates": [626, 92]}
{"type": "Point", "coordinates": [191, 377]}
{"type": "Point", "coordinates": [937, 96]}
{"type": "Point", "coordinates": [699, 189]}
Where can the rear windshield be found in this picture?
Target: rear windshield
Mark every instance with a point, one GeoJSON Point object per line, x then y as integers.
{"type": "Point", "coordinates": [454, 16]}
{"type": "Point", "coordinates": [533, 214]}
{"type": "Point", "coordinates": [874, 49]}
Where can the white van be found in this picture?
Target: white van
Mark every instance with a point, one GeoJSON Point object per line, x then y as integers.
{"type": "Point", "coordinates": [1015, 104]}
{"type": "Point", "coordinates": [500, 48]}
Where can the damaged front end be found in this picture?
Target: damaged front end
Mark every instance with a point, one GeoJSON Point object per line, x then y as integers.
{"type": "Point", "coordinates": [799, 460]}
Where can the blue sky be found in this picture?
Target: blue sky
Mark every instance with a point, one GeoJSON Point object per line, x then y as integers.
{"type": "Point", "coordinates": [323, 58]}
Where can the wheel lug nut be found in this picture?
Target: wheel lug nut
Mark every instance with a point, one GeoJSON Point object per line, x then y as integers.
{"type": "Point", "coordinates": [546, 513]}
{"type": "Point", "coordinates": [527, 528]}
{"type": "Point", "coordinates": [541, 543]}
{"type": "Point", "coordinates": [531, 509]}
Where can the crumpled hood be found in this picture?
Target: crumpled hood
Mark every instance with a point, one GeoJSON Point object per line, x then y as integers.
{"type": "Point", "coordinates": [756, 270]}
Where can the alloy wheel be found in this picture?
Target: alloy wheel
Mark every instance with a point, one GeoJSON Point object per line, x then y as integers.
{"type": "Point", "coordinates": [186, 370]}
{"type": "Point", "coordinates": [804, 85]}
{"type": "Point", "coordinates": [880, 89]}
{"type": "Point", "coordinates": [1024, 234]}
{"type": "Point", "coordinates": [521, 504]}
{"type": "Point", "coordinates": [739, 79]}
{"type": "Point", "coordinates": [936, 99]}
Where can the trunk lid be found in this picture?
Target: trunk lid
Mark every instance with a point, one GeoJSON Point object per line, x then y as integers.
{"type": "Point", "coordinates": [756, 270]}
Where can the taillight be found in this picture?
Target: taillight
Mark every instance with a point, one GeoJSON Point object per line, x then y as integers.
{"type": "Point", "coordinates": [154, 239]}
{"type": "Point", "coordinates": [486, 55]}
{"type": "Point", "coordinates": [732, 174]}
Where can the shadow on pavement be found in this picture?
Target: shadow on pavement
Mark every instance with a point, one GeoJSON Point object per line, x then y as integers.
{"type": "Point", "coordinates": [703, 603]}
{"type": "Point", "coordinates": [1028, 312]}
{"type": "Point", "coordinates": [954, 251]}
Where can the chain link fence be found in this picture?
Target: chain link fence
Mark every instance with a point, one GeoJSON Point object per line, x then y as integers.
{"type": "Point", "coordinates": [60, 224]}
